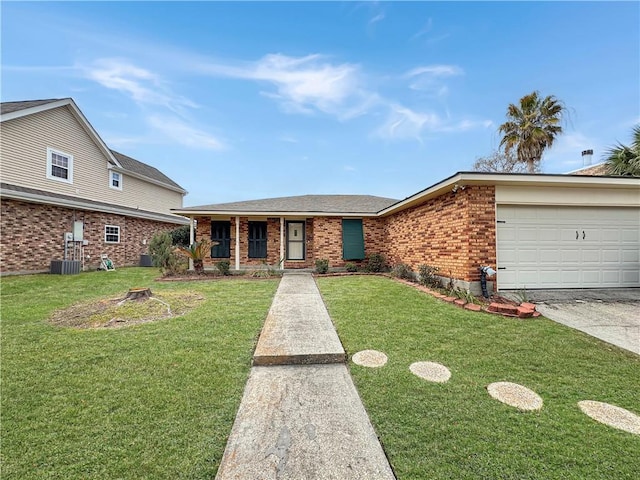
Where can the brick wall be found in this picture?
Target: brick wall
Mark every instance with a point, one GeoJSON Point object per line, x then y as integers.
{"type": "Point", "coordinates": [454, 232]}
{"type": "Point", "coordinates": [33, 234]}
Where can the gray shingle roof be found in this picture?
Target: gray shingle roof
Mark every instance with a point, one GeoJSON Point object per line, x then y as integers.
{"type": "Point", "coordinates": [9, 107]}
{"type": "Point", "coordinates": [364, 204]}
{"type": "Point", "coordinates": [140, 168]}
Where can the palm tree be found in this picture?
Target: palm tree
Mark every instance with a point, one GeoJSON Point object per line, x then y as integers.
{"type": "Point", "coordinates": [623, 159]}
{"type": "Point", "coordinates": [531, 127]}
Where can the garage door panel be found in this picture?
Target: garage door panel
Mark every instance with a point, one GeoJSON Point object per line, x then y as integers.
{"type": "Point", "coordinates": [630, 235]}
{"type": "Point", "coordinates": [630, 255]}
{"type": "Point", "coordinates": [610, 255]}
{"type": "Point", "coordinates": [545, 253]}
{"type": "Point", "coordinates": [591, 255]}
{"type": "Point", "coordinates": [630, 278]}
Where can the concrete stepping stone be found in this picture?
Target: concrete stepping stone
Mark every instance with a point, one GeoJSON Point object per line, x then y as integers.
{"type": "Point", "coordinates": [616, 417]}
{"type": "Point", "coordinates": [515, 395]}
{"type": "Point", "coordinates": [431, 371]}
{"type": "Point", "coordinates": [369, 358]}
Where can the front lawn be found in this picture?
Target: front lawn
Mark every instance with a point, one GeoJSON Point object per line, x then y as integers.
{"type": "Point", "coordinates": [155, 400]}
{"type": "Point", "coordinates": [455, 430]}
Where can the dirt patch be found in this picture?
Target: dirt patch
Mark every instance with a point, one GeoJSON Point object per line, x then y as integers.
{"type": "Point", "coordinates": [122, 312]}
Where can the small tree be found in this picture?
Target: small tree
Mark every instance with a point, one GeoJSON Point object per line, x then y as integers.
{"type": "Point", "coordinates": [502, 161]}
{"type": "Point", "coordinates": [162, 253]}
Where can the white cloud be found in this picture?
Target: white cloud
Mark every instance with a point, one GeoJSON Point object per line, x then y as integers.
{"type": "Point", "coordinates": [304, 84]}
{"type": "Point", "coordinates": [184, 134]}
{"type": "Point", "coordinates": [435, 71]}
{"type": "Point", "coordinates": [142, 85]}
{"type": "Point", "coordinates": [404, 123]}
{"type": "Point", "coordinates": [430, 78]}
{"type": "Point", "coordinates": [379, 17]}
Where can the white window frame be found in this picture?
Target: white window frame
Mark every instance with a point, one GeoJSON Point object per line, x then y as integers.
{"type": "Point", "coordinates": [111, 179]}
{"type": "Point", "coordinates": [69, 157]}
{"type": "Point", "coordinates": [108, 233]}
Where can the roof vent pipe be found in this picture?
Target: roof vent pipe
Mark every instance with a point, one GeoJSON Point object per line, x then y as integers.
{"type": "Point", "coordinates": [586, 157]}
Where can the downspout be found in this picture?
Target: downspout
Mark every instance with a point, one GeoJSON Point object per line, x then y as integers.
{"type": "Point", "coordinates": [237, 243]}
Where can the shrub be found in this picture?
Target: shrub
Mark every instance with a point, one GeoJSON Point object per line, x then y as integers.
{"type": "Point", "coordinates": [428, 277]}
{"type": "Point", "coordinates": [322, 265]}
{"type": "Point", "coordinates": [376, 262]}
{"type": "Point", "coordinates": [402, 270]}
{"type": "Point", "coordinates": [223, 267]}
{"type": "Point", "coordinates": [181, 236]}
{"type": "Point", "coordinates": [196, 252]}
{"type": "Point", "coordinates": [351, 267]}
{"type": "Point", "coordinates": [163, 255]}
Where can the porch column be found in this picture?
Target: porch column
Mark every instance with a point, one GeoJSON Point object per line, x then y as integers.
{"type": "Point", "coordinates": [237, 243]}
{"type": "Point", "coordinates": [192, 238]}
{"type": "Point", "coordinates": [281, 258]}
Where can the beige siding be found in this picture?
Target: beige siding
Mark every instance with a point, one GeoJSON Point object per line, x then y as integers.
{"type": "Point", "coordinates": [24, 143]}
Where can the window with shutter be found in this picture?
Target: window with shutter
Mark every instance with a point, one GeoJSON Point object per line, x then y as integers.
{"type": "Point", "coordinates": [352, 239]}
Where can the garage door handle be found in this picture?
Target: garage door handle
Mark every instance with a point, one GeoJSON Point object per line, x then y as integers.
{"type": "Point", "coordinates": [583, 235]}
{"type": "Point", "coordinates": [577, 235]}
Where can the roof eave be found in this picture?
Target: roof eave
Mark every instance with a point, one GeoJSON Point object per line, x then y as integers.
{"type": "Point", "coordinates": [253, 213]}
{"type": "Point", "coordinates": [79, 204]}
{"type": "Point", "coordinates": [149, 179]}
{"type": "Point", "coordinates": [515, 179]}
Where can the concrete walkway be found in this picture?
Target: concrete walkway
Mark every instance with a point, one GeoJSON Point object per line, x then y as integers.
{"type": "Point", "coordinates": [301, 416]}
{"type": "Point", "coordinates": [610, 314]}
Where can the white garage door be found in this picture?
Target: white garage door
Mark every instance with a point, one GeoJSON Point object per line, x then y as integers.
{"type": "Point", "coordinates": [568, 247]}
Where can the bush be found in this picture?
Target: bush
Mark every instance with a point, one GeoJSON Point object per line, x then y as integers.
{"type": "Point", "coordinates": [351, 267]}
{"type": "Point", "coordinates": [402, 270]}
{"type": "Point", "coordinates": [181, 236]}
{"type": "Point", "coordinates": [163, 255]}
{"type": "Point", "coordinates": [223, 267]}
{"type": "Point", "coordinates": [322, 265]}
{"type": "Point", "coordinates": [428, 276]}
{"type": "Point", "coordinates": [376, 262]}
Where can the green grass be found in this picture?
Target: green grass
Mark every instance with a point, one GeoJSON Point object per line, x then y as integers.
{"type": "Point", "coordinates": [455, 430]}
{"type": "Point", "coordinates": [155, 400]}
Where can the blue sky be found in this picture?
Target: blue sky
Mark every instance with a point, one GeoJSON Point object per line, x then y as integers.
{"type": "Point", "coordinates": [246, 100]}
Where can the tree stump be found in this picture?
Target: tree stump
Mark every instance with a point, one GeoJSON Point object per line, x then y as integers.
{"type": "Point", "coordinates": [138, 294]}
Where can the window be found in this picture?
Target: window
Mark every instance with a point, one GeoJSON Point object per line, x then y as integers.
{"type": "Point", "coordinates": [115, 180]}
{"type": "Point", "coordinates": [257, 239]}
{"type": "Point", "coordinates": [112, 234]}
{"type": "Point", "coordinates": [221, 234]}
{"type": "Point", "coordinates": [352, 239]}
{"type": "Point", "coordinates": [59, 166]}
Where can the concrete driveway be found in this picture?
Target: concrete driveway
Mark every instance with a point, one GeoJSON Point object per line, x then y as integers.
{"type": "Point", "coordinates": [612, 315]}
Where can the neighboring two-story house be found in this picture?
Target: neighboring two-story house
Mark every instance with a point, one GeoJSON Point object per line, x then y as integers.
{"type": "Point", "coordinates": [66, 195]}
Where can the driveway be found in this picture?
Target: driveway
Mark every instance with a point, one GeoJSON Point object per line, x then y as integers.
{"type": "Point", "coordinates": [612, 315]}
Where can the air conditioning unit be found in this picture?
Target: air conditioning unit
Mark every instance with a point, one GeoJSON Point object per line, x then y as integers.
{"type": "Point", "coordinates": [65, 267]}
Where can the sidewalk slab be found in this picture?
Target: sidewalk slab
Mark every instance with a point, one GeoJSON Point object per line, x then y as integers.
{"type": "Point", "coordinates": [298, 329]}
{"type": "Point", "coordinates": [302, 422]}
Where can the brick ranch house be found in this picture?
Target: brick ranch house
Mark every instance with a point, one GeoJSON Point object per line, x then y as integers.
{"type": "Point", "coordinates": [537, 231]}
{"type": "Point", "coordinates": [63, 190]}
